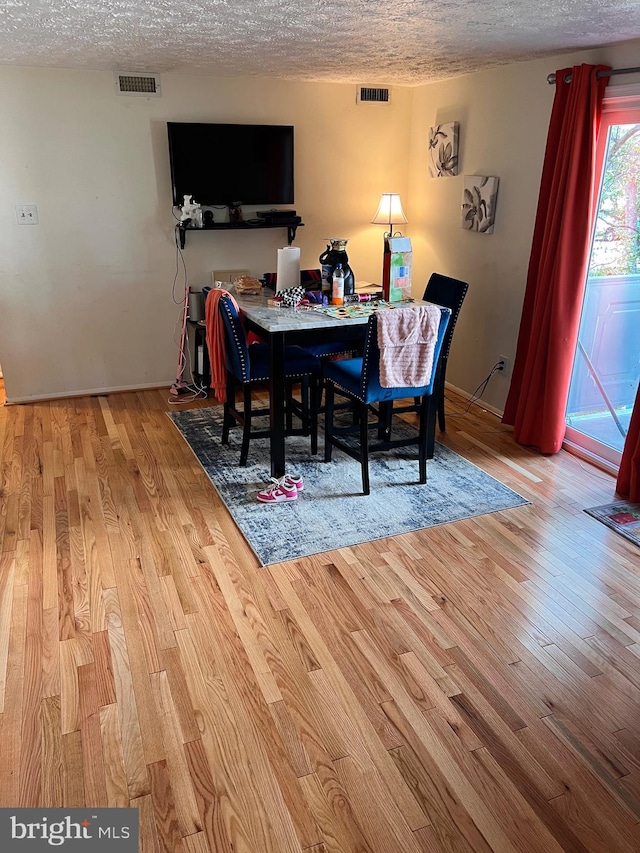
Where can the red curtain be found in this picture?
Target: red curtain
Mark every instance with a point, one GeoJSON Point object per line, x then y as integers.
{"type": "Point", "coordinates": [628, 483]}
{"type": "Point", "coordinates": [558, 263]}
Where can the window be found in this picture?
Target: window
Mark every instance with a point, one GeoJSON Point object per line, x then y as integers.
{"type": "Point", "coordinates": [607, 361]}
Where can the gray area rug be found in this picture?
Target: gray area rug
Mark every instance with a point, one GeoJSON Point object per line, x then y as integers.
{"type": "Point", "coordinates": [331, 512]}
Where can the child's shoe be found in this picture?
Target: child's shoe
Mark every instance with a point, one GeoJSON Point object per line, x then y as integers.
{"type": "Point", "coordinates": [294, 480]}
{"type": "Point", "coordinates": [278, 492]}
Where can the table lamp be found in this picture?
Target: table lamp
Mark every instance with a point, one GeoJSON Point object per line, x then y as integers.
{"type": "Point", "coordinates": [389, 211]}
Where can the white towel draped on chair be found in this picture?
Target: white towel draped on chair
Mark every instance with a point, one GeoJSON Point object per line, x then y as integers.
{"type": "Point", "coordinates": [406, 339]}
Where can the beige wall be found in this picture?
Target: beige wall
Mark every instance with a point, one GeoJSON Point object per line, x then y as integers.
{"type": "Point", "coordinates": [504, 116]}
{"type": "Point", "coordinates": [86, 296]}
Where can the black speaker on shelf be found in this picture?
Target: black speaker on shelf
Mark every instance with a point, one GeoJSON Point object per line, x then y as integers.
{"type": "Point", "coordinates": [196, 305]}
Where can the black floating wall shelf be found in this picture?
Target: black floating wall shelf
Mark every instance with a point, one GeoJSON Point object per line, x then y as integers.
{"type": "Point", "coordinates": [240, 226]}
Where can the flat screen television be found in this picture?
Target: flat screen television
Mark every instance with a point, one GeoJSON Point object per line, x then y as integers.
{"type": "Point", "coordinates": [223, 163]}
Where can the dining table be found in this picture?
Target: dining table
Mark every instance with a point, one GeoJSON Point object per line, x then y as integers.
{"type": "Point", "coordinates": [280, 326]}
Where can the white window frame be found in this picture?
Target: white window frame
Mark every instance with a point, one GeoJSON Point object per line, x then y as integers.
{"type": "Point", "coordinates": [618, 101]}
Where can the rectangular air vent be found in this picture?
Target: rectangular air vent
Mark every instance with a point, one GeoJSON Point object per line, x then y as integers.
{"type": "Point", "coordinates": [138, 83]}
{"type": "Point", "coordinates": [372, 95]}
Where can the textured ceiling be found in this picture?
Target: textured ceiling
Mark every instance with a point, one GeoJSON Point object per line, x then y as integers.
{"type": "Point", "coordinates": [362, 41]}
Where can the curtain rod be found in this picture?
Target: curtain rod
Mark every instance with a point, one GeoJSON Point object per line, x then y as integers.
{"type": "Point", "coordinates": [551, 78]}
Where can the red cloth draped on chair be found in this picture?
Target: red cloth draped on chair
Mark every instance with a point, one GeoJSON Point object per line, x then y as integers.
{"type": "Point", "coordinates": [628, 483]}
{"type": "Point", "coordinates": [558, 263]}
{"type": "Point", "coordinates": [215, 342]}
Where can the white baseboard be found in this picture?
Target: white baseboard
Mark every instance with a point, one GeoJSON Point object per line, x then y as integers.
{"type": "Point", "coordinates": [99, 392]}
{"type": "Point", "coordinates": [92, 392]}
{"type": "Point", "coordinates": [479, 403]}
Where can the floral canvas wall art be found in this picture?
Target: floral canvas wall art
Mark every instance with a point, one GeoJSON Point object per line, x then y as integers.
{"type": "Point", "coordinates": [443, 150]}
{"type": "Point", "coordinates": [479, 203]}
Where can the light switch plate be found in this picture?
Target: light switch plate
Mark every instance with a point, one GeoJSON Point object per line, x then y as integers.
{"type": "Point", "coordinates": [27, 214]}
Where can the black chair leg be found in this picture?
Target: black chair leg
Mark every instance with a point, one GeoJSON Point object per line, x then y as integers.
{"type": "Point", "coordinates": [289, 405]}
{"type": "Point", "coordinates": [304, 403]}
{"type": "Point", "coordinates": [430, 421]}
{"type": "Point", "coordinates": [246, 426]}
{"type": "Point", "coordinates": [228, 419]}
{"type": "Point", "coordinates": [439, 392]}
{"type": "Point", "coordinates": [385, 418]}
{"type": "Point", "coordinates": [423, 439]}
{"type": "Point", "coordinates": [226, 422]}
{"type": "Point", "coordinates": [319, 392]}
{"type": "Point", "coordinates": [364, 448]}
{"type": "Point", "coordinates": [313, 392]}
{"type": "Point", "coordinates": [328, 421]}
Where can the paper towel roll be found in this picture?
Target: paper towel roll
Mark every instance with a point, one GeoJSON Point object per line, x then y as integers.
{"type": "Point", "coordinates": [288, 268]}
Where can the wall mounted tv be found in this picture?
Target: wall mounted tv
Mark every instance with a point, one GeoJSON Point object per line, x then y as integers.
{"type": "Point", "coordinates": [223, 163]}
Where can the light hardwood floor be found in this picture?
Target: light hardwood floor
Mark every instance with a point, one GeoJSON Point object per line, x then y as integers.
{"type": "Point", "coordinates": [472, 687]}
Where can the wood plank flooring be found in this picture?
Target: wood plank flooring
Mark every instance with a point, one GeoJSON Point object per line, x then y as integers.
{"type": "Point", "coordinates": [473, 687]}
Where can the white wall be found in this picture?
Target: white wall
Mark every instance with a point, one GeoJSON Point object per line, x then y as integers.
{"type": "Point", "coordinates": [86, 296]}
{"type": "Point", "coordinates": [504, 117]}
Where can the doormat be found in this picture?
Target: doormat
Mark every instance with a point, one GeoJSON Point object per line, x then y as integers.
{"type": "Point", "coordinates": [621, 516]}
{"type": "Point", "coordinates": [332, 512]}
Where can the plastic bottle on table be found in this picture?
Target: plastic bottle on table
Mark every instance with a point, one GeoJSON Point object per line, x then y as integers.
{"type": "Point", "coordinates": [337, 291]}
{"type": "Point", "coordinates": [327, 272]}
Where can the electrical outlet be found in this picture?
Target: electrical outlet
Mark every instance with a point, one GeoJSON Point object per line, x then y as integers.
{"type": "Point", "coordinates": [505, 370]}
{"type": "Point", "coordinates": [227, 276]}
{"type": "Point", "coordinates": [27, 214]}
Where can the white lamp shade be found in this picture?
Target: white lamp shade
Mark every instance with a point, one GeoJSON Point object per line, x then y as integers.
{"type": "Point", "coordinates": [389, 210]}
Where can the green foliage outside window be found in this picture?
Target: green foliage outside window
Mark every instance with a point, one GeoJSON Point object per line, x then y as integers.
{"type": "Point", "coordinates": [616, 247]}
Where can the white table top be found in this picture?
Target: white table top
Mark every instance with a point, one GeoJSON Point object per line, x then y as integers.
{"type": "Point", "coordinates": [273, 319]}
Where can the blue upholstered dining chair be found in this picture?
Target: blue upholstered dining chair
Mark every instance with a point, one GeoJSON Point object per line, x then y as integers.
{"type": "Point", "coordinates": [248, 366]}
{"type": "Point", "coordinates": [450, 292]}
{"type": "Point", "coordinates": [358, 380]}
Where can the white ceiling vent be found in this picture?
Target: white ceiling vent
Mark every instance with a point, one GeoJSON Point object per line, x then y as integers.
{"type": "Point", "coordinates": [138, 83]}
{"type": "Point", "coordinates": [372, 95]}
